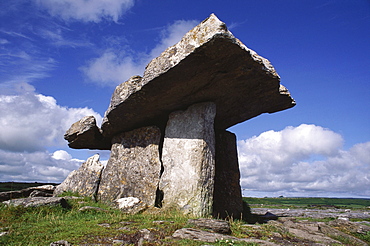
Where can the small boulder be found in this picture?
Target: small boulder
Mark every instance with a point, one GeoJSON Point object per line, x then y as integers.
{"type": "Point", "coordinates": [38, 201]}
{"type": "Point", "coordinates": [131, 205]}
{"type": "Point", "coordinates": [219, 226]}
{"type": "Point", "coordinates": [61, 243]}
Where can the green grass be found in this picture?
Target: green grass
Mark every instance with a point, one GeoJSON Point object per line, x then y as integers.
{"type": "Point", "coordinates": [351, 203]}
{"type": "Point", "coordinates": [43, 225]}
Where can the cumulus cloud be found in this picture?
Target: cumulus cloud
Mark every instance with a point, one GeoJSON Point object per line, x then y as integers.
{"type": "Point", "coordinates": [30, 121]}
{"type": "Point", "coordinates": [303, 161]}
{"type": "Point", "coordinates": [117, 64]}
{"type": "Point", "coordinates": [36, 166]}
{"type": "Point", "coordinates": [87, 10]}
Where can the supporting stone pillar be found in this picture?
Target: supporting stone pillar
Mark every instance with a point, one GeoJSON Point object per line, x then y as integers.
{"type": "Point", "coordinates": [188, 159]}
{"type": "Point", "coordinates": [227, 199]}
{"type": "Point", "coordinates": [134, 167]}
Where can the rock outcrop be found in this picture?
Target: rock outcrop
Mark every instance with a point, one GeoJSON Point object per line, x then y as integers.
{"type": "Point", "coordinates": [46, 190]}
{"type": "Point", "coordinates": [190, 94]}
{"type": "Point", "coordinates": [85, 181]}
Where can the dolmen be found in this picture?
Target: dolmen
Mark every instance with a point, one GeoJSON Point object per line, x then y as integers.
{"type": "Point", "coordinates": [167, 130]}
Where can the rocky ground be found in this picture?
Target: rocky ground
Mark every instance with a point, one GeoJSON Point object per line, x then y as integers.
{"type": "Point", "coordinates": [285, 230]}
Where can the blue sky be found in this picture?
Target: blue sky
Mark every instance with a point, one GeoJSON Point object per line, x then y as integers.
{"type": "Point", "coordinates": [61, 60]}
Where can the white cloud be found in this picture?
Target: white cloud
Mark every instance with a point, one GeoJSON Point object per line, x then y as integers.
{"type": "Point", "coordinates": [111, 68]}
{"type": "Point", "coordinates": [118, 64]}
{"type": "Point", "coordinates": [31, 122]}
{"type": "Point", "coordinates": [303, 161]}
{"type": "Point", "coordinates": [61, 155]}
{"type": "Point", "coordinates": [87, 10]}
{"type": "Point", "coordinates": [36, 166]}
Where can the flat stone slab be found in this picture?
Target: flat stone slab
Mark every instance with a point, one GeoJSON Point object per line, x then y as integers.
{"type": "Point", "coordinates": [38, 201]}
{"type": "Point", "coordinates": [208, 65]}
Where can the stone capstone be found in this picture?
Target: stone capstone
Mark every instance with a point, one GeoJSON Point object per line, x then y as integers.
{"type": "Point", "coordinates": [188, 158]}
{"type": "Point", "coordinates": [208, 64]}
{"type": "Point", "coordinates": [227, 196]}
{"type": "Point", "coordinates": [85, 181]}
{"type": "Point", "coordinates": [134, 167]}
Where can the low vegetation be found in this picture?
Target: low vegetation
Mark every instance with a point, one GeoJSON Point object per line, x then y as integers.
{"type": "Point", "coordinates": [43, 225]}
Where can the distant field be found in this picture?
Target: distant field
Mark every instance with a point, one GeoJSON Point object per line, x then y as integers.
{"type": "Point", "coordinates": [308, 202]}
{"type": "Point", "coordinates": [10, 186]}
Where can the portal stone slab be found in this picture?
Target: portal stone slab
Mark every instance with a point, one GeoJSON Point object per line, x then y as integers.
{"type": "Point", "coordinates": [85, 181]}
{"type": "Point", "coordinates": [227, 197]}
{"type": "Point", "coordinates": [134, 167]}
{"type": "Point", "coordinates": [189, 160]}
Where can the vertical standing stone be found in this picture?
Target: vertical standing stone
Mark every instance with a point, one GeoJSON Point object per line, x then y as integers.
{"type": "Point", "coordinates": [133, 169]}
{"type": "Point", "coordinates": [85, 180]}
{"type": "Point", "coordinates": [188, 159]}
{"type": "Point", "coordinates": [227, 199]}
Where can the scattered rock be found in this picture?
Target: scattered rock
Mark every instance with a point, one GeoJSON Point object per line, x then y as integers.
{"type": "Point", "coordinates": [332, 232]}
{"type": "Point", "coordinates": [61, 243]}
{"type": "Point", "coordinates": [85, 181]}
{"type": "Point", "coordinates": [219, 226]}
{"type": "Point", "coordinates": [131, 205]}
{"type": "Point", "coordinates": [7, 195]}
{"type": "Point", "coordinates": [350, 226]}
{"type": "Point", "coordinates": [212, 237]}
{"type": "Point", "coordinates": [104, 225]}
{"type": "Point", "coordinates": [189, 160]}
{"type": "Point", "coordinates": [38, 201]}
{"type": "Point", "coordinates": [313, 213]}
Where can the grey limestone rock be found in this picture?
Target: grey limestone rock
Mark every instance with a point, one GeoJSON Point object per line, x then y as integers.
{"type": "Point", "coordinates": [227, 196]}
{"type": "Point", "coordinates": [37, 201]}
{"type": "Point", "coordinates": [219, 226]}
{"type": "Point", "coordinates": [212, 237]}
{"type": "Point", "coordinates": [85, 181]}
{"type": "Point", "coordinates": [134, 167]}
{"type": "Point", "coordinates": [188, 158]}
{"type": "Point", "coordinates": [85, 134]}
{"type": "Point", "coordinates": [7, 195]}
